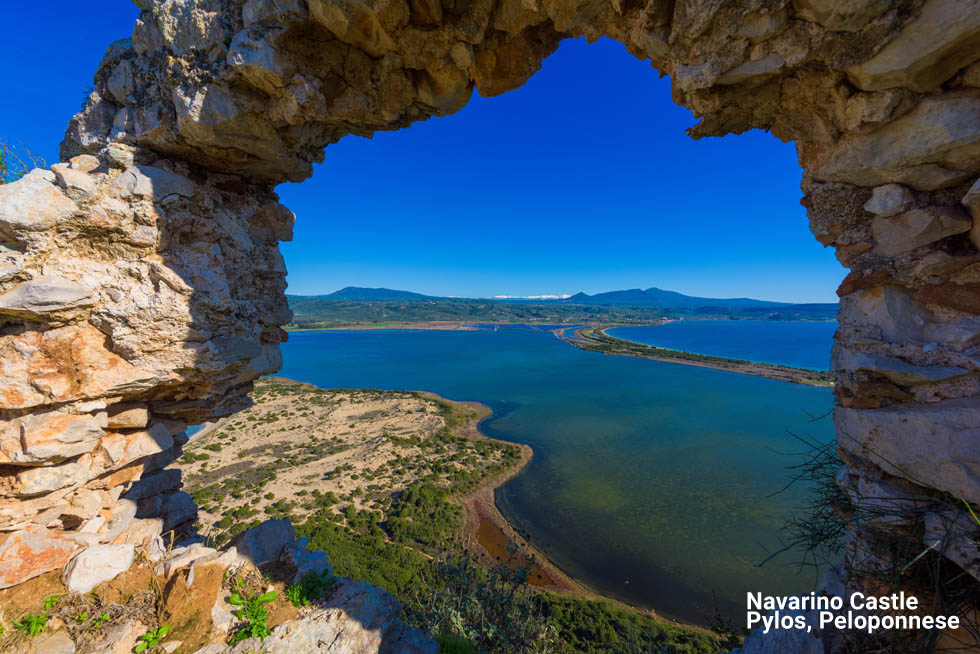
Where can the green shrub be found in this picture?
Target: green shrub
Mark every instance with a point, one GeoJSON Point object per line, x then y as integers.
{"type": "Point", "coordinates": [455, 645]}
{"type": "Point", "coordinates": [312, 587]}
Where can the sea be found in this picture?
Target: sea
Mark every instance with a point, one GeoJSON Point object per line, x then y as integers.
{"type": "Point", "coordinates": [659, 484]}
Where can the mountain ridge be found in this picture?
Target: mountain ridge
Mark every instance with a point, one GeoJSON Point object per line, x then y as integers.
{"type": "Point", "coordinates": [650, 297]}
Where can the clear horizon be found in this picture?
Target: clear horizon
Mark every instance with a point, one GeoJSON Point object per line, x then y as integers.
{"type": "Point", "coordinates": [542, 296]}
{"type": "Point", "coordinates": [581, 180]}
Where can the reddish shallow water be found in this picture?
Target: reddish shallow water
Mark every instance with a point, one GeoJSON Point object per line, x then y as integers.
{"type": "Point", "coordinates": [502, 549]}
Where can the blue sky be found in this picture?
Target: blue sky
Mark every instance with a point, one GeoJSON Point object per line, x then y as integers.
{"type": "Point", "coordinates": [583, 179]}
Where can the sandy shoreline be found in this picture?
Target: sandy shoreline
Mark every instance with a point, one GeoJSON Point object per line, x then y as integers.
{"type": "Point", "coordinates": [480, 505]}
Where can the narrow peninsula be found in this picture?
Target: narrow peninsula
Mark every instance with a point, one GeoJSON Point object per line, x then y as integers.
{"type": "Point", "coordinates": [596, 339]}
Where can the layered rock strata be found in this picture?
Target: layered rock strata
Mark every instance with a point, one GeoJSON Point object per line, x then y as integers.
{"type": "Point", "coordinates": [141, 288]}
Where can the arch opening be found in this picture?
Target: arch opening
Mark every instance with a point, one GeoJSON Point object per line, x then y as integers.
{"type": "Point", "coordinates": [154, 249]}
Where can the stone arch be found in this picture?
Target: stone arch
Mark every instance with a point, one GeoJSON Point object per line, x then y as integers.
{"type": "Point", "coordinates": [141, 287]}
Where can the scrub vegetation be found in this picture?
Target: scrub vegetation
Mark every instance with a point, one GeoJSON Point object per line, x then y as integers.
{"type": "Point", "coordinates": [373, 478]}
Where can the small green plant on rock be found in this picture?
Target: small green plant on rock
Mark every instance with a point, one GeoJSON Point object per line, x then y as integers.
{"type": "Point", "coordinates": [253, 614]}
{"type": "Point", "coordinates": [151, 639]}
{"type": "Point", "coordinates": [32, 625]}
{"type": "Point", "coordinates": [313, 586]}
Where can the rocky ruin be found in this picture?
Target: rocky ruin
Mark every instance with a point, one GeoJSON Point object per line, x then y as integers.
{"type": "Point", "coordinates": [142, 290]}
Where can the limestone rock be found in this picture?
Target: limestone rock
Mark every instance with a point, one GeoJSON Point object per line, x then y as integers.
{"type": "Point", "coordinates": [173, 508]}
{"type": "Point", "coordinates": [962, 297]}
{"type": "Point", "coordinates": [85, 505]}
{"type": "Point", "coordinates": [32, 204]}
{"type": "Point", "coordinates": [120, 639]}
{"type": "Point", "coordinates": [123, 448]}
{"type": "Point", "coordinates": [356, 618]}
{"type": "Point", "coordinates": [889, 200]}
{"type": "Point", "coordinates": [57, 642]}
{"type": "Point", "coordinates": [119, 520]}
{"type": "Point", "coordinates": [782, 641]}
{"type": "Point", "coordinates": [892, 315]}
{"type": "Point", "coordinates": [928, 51]}
{"type": "Point", "coordinates": [214, 648]}
{"type": "Point", "coordinates": [913, 229]}
{"type": "Point", "coordinates": [752, 69]}
{"type": "Point", "coordinates": [931, 147]}
{"type": "Point", "coordinates": [32, 370]}
{"type": "Point", "coordinates": [956, 530]}
{"type": "Point", "coordinates": [128, 416]}
{"type": "Point", "coordinates": [37, 298]}
{"type": "Point", "coordinates": [154, 484]}
{"type": "Point", "coordinates": [933, 444]}
{"type": "Point", "coordinates": [972, 203]}
{"type": "Point", "coordinates": [49, 438]}
{"type": "Point", "coordinates": [86, 163]}
{"type": "Point", "coordinates": [840, 15]}
{"type": "Point", "coordinates": [354, 23]}
{"type": "Point", "coordinates": [271, 12]}
{"type": "Point", "coordinates": [182, 557]}
{"type": "Point", "coordinates": [25, 555]}
{"type": "Point", "coordinates": [304, 560]}
{"type": "Point", "coordinates": [256, 62]}
{"type": "Point", "coordinates": [152, 182]}
{"type": "Point", "coordinates": [972, 200]}
{"type": "Point", "coordinates": [898, 371]}
{"type": "Point", "coordinates": [265, 542]}
{"type": "Point", "coordinates": [97, 564]}
{"type": "Point", "coordinates": [78, 185]}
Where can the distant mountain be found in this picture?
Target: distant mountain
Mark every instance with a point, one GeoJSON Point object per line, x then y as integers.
{"type": "Point", "coordinates": [656, 297]}
{"type": "Point", "coordinates": [360, 294]}
{"type": "Point", "coordinates": [356, 305]}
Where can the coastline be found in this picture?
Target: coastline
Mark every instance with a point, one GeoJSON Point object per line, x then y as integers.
{"type": "Point", "coordinates": [480, 505]}
{"type": "Point", "coordinates": [445, 325]}
{"type": "Point", "coordinates": [596, 339]}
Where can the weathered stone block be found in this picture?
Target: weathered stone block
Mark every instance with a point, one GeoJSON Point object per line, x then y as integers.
{"type": "Point", "coordinates": [942, 39]}
{"type": "Point", "coordinates": [895, 369]}
{"type": "Point", "coordinates": [889, 313]}
{"type": "Point", "coordinates": [935, 444]}
{"type": "Point", "coordinates": [889, 200]}
{"type": "Point", "coordinates": [156, 183]}
{"type": "Point", "coordinates": [264, 543]}
{"type": "Point", "coordinates": [127, 416]}
{"type": "Point", "coordinates": [38, 298]}
{"type": "Point", "coordinates": [97, 564]}
{"type": "Point", "coordinates": [32, 204]}
{"type": "Point", "coordinates": [50, 438]}
{"type": "Point", "coordinates": [840, 15]}
{"type": "Point", "coordinates": [913, 229]}
{"type": "Point", "coordinates": [935, 145]}
{"type": "Point", "coordinates": [25, 555]}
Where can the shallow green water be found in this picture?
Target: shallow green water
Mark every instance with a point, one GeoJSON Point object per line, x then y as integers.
{"type": "Point", "coordinates": [650, 481]}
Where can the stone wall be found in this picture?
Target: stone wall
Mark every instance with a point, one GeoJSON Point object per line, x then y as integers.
{"type": "Point", "coordinates": [141, 288]}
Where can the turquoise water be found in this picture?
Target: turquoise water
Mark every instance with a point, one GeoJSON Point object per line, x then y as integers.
{"type": "Point", "coordinates": [797, 344]}
{"type": "Point", "coordinates": [650, 481]}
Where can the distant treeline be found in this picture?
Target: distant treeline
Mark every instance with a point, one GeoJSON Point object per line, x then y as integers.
{"type": "Point", "coordinates": [312, 312]}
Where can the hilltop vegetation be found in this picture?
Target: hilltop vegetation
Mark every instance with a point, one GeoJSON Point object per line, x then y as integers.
{"type": "Point", "coordinates": [373, 479]}
{"type": "Point", "coordinates": [356, 457]}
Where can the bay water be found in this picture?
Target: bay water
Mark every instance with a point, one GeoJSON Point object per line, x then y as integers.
{"type": "Point", "coordinates": [655, 483]}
